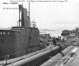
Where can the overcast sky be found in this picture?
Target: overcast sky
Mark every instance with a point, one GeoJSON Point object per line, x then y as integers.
{"type": "Point", "coordinates": [48, 15]}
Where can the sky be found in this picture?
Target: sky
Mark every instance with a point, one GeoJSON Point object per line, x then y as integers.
{"type": "Point", "coordinates": [47, 15]}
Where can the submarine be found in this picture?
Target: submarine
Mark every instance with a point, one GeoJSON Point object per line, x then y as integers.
{"type": "Point", "coordinates": [19, 40]}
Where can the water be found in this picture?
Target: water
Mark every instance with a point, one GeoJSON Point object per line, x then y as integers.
{"type": "Point", "coordinates": [53, 33]}
{"type": "Point", "coordinates": [56, 33]}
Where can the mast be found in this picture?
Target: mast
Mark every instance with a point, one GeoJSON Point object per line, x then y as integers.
{"type": "Point", "coordinates": [19, 16]}
{"type": "Point", "coordinates": [21, 21]}
{"type": "Point", "coordinates": [29, 12]}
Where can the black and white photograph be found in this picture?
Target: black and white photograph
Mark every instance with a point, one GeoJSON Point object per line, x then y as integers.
{"type": "Point", "coordinates": [39, 33]}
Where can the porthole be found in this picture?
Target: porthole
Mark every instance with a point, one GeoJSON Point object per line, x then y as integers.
{"type": "Point", "coordinates": [0, 32]}
{"type": "Point", "coordinates": [8, 33]}
{"type": "Point", "coordinates": [3, 32]}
